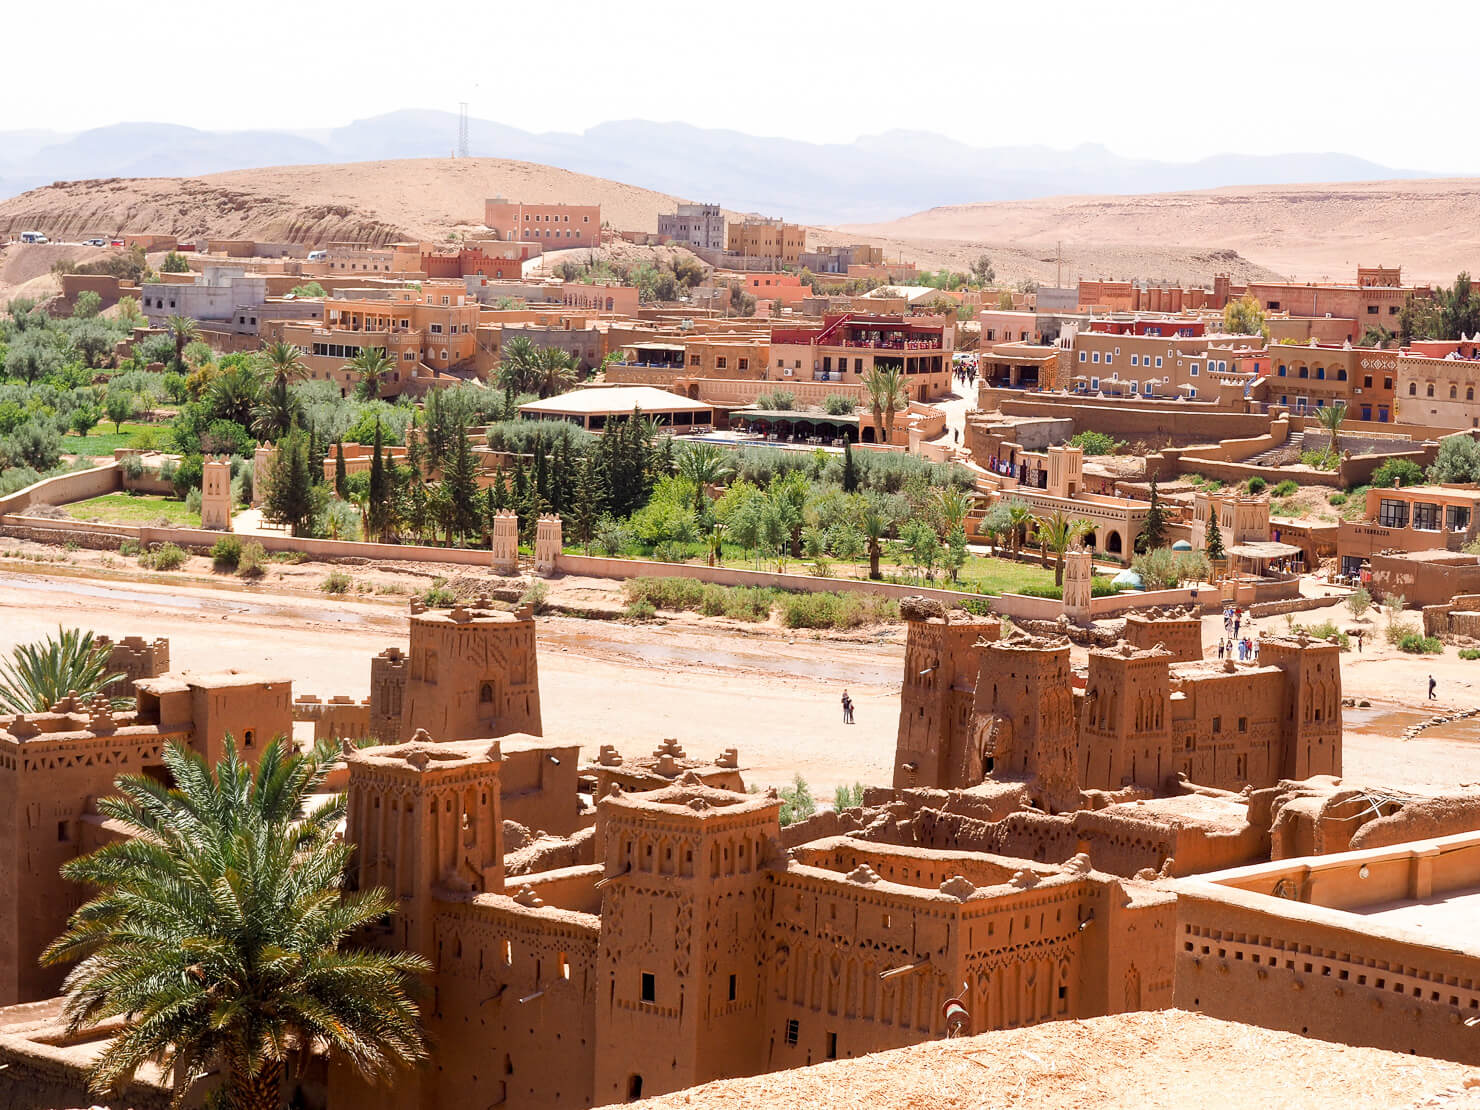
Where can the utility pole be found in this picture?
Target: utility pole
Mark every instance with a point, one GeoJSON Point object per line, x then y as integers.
{"type": "Point", "coordinates": [462, 129]}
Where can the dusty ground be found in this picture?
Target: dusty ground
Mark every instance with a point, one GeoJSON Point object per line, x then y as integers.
{"type": "Point", "coordinates": [1313, 232]}
{"type": "Point", "coordinates": [712, 683]}
{"type": "Point", "coordinates": [1169, 1060]}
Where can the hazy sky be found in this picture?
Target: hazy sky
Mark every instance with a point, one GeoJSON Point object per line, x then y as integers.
{"type": "Point", "coordinates": [1170, 79]}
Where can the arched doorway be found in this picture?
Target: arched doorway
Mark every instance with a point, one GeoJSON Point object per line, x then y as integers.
{"type": "Point", "coordinates": [1113, 543]}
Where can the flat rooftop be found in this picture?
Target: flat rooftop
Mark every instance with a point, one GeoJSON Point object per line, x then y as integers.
{"type": "Point", "coordinates": [1448, 919]}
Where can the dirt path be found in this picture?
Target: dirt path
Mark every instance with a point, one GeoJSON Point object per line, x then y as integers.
{"type": "Point", "coordinates": [774, 697]}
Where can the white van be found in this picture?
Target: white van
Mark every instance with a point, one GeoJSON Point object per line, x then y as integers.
{"type": "Point", "coordinates": [33, 237]}
{"type": "Point", "coordinates": [317, 256]}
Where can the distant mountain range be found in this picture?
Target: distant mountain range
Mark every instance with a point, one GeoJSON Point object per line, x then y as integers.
{"type": "Point", "coordinates": [877, 177]}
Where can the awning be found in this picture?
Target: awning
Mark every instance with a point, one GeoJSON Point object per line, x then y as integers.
{"type": "Point", "coordinates": [1264, 549]}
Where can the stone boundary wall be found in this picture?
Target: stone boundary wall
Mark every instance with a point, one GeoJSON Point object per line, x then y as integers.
{"type": "Point", "coordinates": [1292, 605]}
{"type": "Point", "coordinates": [78, 485]}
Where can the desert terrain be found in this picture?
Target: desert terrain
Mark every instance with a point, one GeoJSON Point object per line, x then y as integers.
{"type": "Point", "coordinates": [1307, 231]}
{"type": "Point", "coordinates": [710, 682]}
{"type": "Point", "coordinates": [1166, 1060]}
{"type": "Point", "coordinates": [1311, 232]}
{"type": "Point", "coordinates": [371, 202]}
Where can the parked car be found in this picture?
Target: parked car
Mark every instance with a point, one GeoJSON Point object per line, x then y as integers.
{"type": "Point", "coordinates": [33, 237]}
{"type": "Point", "coordinates": [95, 242]}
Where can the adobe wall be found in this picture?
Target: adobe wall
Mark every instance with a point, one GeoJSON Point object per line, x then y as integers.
{"type": "Point", "coordinates": [339, 718]}
{"type": "Point", "coordinates": [1309, 970]}
{"type": "Point", "coordinates": [1422, 582]}
{"type": "Point", "coordinates": [79, 485]}
{"type": "Point", "coordinates": [1182, 636]}
{"type": "Point", "coordinates": [539, 785]}
{"type": "Point", "coordinates": [1184, 424]}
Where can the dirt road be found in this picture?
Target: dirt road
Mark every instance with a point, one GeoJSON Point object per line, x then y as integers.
{"type": "Point", "coordinates": [777, 699]}
{"type": "Point", "coordinates": [771, 693]}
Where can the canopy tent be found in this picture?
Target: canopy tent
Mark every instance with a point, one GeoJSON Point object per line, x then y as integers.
{"type": "Point", "coordinates": [794, 422]}
{"type": "Point", "coordinates": [1258, 554]}
{"type": "Point", "coordinates": [593, 406]}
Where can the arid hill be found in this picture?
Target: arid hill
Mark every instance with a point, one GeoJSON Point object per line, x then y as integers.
{"type": "Point", "coordinates": [377, 202]}
{"type": "Point", "coordinates": [1429, 227]}
{"type": "Point", "coordinates": [1163, 1060]}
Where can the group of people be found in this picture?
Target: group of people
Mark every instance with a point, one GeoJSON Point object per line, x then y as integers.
{"type": "Point", "coordinates": [1234, 645]}
{"type": "Point", "coordinates": [964, 373]}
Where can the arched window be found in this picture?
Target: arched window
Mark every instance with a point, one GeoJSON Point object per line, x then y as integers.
{"type": "Point", "coordinates": [1453, 392]}
{"type": "Point", "coordinates": [1413, 389]}
{"type": "Point", "coordinates": [1431, 389]}
{"type": "Point", "coordinates": [485, 693]}
{"type": "Point", "coordinates": [1341, 374]}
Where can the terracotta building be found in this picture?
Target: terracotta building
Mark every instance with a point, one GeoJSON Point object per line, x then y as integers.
{"type": "Point", "coordinates": [553, 226]}
{"type": "Point", "coordinates": [975, 707]}
{"type": "Point", "coordinates": [53, 766]}
{"type": "Point", "coordinates": [775, 240]}
{"type": "Point", "coordinates": [849, 345]}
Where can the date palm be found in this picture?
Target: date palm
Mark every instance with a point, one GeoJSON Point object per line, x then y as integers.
{"type": "Point", "coordinates": [283, 365]}
{"type": "Point", "coordinates": [1331, 417]}
{"type": "Point", "coordinates": [557, 371]}
{"type": "Point", "coordinates": [1058, 533]}
{"type": "Point", "coordinates": [887, 395]}
{"type": "Point", "coordinates": [704, 464]}
{"type": "Point", "coordinates": [40, 674]}
{"type": "Point", "coordinates": [373, 366]}
{"type": "Point", "coordinates": [182, 329]}
{"type": "Point", "coordinates": [217, 935]}
{"type": "Point", "coordinates": [518, 368]}
{"type": "Point", "coordinates": [1019, 516]}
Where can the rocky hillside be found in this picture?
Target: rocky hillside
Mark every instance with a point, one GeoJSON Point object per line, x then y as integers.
{"type": "Point", "coordinates": [376, 202]}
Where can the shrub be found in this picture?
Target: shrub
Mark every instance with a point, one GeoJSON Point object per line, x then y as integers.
{"type": "Point", "coordinates": [839, 404]}
{"type": "Point", "coordinates": [535, 596]}
{"type": "Point", "coordinates": [293, 558]}
{"type": "Point", "coordinates": [1405, 471]}
{"type": "Point", "coordinates": [227, 553]}
{"type": "Point", "coordinates": [1326, 630]}
{"type": "Point", "coordinates": [640, 611]}
{"type": "Point", "coordinates": [1469, 653]}
{"type": "Point", "coordinates": [1055, 592]}
{"type": "Point", "coordinates": [132, 467]}
{"type": "Point", "coordinates": [797, 803]}
{"type": "Point", "coordinates": [1322, 459]}
{"type": "Point", "coordinates": [439, 597]}
{"type": "Point", "coordinates": [830, 610]}
{"type": "Point", "coordinates": [848, 797]}
{"type": "Point", "coordinates": [1359, 601]}
{"type": "Point", "coordinates": [336, 582]}
{"type": "Point", "coordinates": [192, 501]}
{"type": "Point", "coordinates": [1101, 586]}
{"type": "Point", "coordinates": [1418, 644]}
{"type": "Point", "coordinates": [1097, 443]}
{"type": "Point", "coordinates": [249, 565]}
{"type": "Point", "coordinates": [188, 475]}
{"type": "Point", "coordinates": [1337, 499]}
{"type": "Point", "coordinates": [1287, 488]}
{"type": "Point", "coordinates": [164, 556]}
{"type": "Point", "coordinates": [129, 548]}
{"type": "Point", "coordinates": [1256, 485]}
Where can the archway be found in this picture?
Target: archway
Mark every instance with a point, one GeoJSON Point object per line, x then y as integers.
{"type": "Point", "coordinates": [1113, 543]}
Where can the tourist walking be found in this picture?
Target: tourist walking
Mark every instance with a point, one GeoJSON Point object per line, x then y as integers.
{"type": "Point", "coordinates": [1220, 649]}
{"type": "Point", "coordinates": [1432, 686]}
{"type": "Point", "coordinates": [847, 709]}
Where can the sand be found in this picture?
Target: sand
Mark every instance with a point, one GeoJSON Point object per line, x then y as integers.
{"type": "Point", "coordinates": [1313, 232]}
{"type": "Point", "coordinates": [1167, 1060]}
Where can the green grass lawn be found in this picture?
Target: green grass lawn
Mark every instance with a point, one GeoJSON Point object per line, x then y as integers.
{"type": "Point", "coordinates": [988, 575]}
{"type": "Point", "coordinates": [102, 440]}
{"type": "Point", "coordinates": [133, 508]}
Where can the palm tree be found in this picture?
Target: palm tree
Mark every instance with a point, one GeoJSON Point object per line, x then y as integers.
{"type": "Point", "coordinates": [874, 524]}
{"type": "Point", "coordinates": [517, 367]}
{"type": "Point", "coordinates": [952, 506]}
{"type": "Point", "coordinates": [216, 934]}
{"type": "Point", "coordinates": [704, 464]}
{"type": "Point", "coordinates": [887, 395]}
{"type": "Point", "coordinates": [1018, 517]}
{"type": "Point", "coordinates": [1331, 418]}
{"type": "Point", "coordinates": [40, 674]}
{"type": "Point", "coordinates": [283, 364]}
{"type": "Point", "coordinates": [182, 330]}
{"type": "Point", "coordinates": [557, 370]}
{"type": "Point", "coordinates": [235, 392]}
{"type": "Point", "coordinates": [372, 365]}
{"type": "Point", "coordinates": [1058, 533]}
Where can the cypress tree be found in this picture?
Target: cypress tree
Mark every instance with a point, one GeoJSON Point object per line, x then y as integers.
{"type": "Point", "coordinates": [585, 503]}
{"type": "Point", "coordinates": [1214, 539]}
{"type": "Point", "coordinates": [378, 510]}
{"type": "Point", "coordinates": [341, 475]}
{"type": "Point", "coordinates": [460, 478]}
{"type": "Point", "coordinates": [490, 511]}
{"type": "Point", "coordinates": [1154, 531]}
{"type": "Point", "coordinates": [499, 492]}
{"type": "Point", "coordinates": [850, 468]}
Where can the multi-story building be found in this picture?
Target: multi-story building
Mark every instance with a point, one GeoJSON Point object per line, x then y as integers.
{"type": "Point", "coordinates": [849, 345]}
{"type": "Point", "coordinates": [839, 259]}
{"type": "Point", "coordinates": [424, 331]}
{"type": "Point", "coordinates": [1150, 365]}
{"type": "Point", "coordinates": [553, 226]}
{"type": "Point", "coordinates": [774, 240]}
{"type": "Point", "coordinates": [1409, 518]}
{"type": "Point", "coordinates": [1435, 383]}
{"type": "Point", "coordinates": [698, 225]}
{"type": "Point", "coordinates": [1375, 299]}
{"type": "Point", "coordinates": [1315, 376]}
